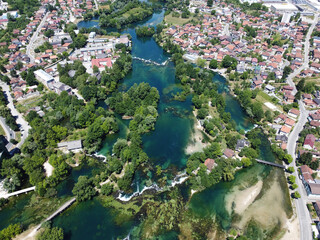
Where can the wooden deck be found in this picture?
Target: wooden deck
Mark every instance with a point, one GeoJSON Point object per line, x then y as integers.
{"type": "Point", "coordinates": [271, 164]}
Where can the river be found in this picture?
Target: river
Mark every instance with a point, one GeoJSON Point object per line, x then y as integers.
{"type": "Point", "coordinates": [166, 147]}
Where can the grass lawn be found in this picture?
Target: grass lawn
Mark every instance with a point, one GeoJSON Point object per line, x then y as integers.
{"type": "Point", "coordinates": [2, 131]}
{"type": "Point", "coordinates": [77, 134]}
{"type": "Point", "coordinates": [317, 145]}
{"type": "Point", "coordinates": [18, 136]}
{"type": "Point", "coordinates": [104, 6]}
{"type": "Point", "coordinates": [263, 97]}
{"type": "Point", "coordinates": [176, 21]}
{"type": "Point", "coordinates": [24, 106]}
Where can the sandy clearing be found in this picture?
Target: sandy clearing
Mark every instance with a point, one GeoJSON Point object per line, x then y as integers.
{"type": "Point", "coordinates": [195, 144]}
{"type": "Point", "coordinates": [48, 168]}
{"type": "Point", "coordinates": [293, 229]}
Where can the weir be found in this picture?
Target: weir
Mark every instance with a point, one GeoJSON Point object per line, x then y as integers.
{"type": "Point", "coordinates": [150, 61]}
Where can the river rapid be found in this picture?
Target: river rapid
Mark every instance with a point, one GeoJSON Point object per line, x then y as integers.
{"type": "Point", "coordinates": [166, 146]}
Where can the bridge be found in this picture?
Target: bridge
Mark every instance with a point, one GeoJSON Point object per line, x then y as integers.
{"type": "Point", "coordinates": [271, 163]}
{"type": "Point", "coordinates": [60, 210]}
{"type": "Point", "coordinates": [18, 192]}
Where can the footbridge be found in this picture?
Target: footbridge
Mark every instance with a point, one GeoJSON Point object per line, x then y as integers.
{"type": "Point", "coordinates": [18, 192]}
{"type": "Point", "coordinates": [271, 163]}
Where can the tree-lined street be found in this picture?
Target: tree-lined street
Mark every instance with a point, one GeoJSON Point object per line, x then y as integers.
{"type": "Point", "coordinates": [302, 211]}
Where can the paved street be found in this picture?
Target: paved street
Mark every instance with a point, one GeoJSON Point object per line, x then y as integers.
{"type": "Point", "coordinates": [8, 131]}
{"type": "Point", "coordinates": [96, 3]}
{"type": "Point", "coordinates": [30, 46]}
{"type": "Point", "coordinates": [302, 211]}
{"type": "Point", "coordinates": [23, 124]}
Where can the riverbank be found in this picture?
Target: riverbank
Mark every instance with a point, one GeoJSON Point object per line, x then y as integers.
{"type": "Point", "coordinates": [240, 200]}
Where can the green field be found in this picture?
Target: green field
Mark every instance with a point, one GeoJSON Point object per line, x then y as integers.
{"type": "Point", "coordinates": [263, 97]}
{"type": "Point", "coordinates": [2, 131]}
{"type": "Point", "coordinates": [176, 21]}
{"type": "Point", "coordinates": [132, 11]}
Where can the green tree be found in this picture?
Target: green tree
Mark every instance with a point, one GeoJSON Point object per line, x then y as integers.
{"type": "Point", "coordinates": [292, 179]}
{"type": "Point", "coordinates": [300, 85]}
{"type": "Point", "coordinates": [95, 69]}
{"type": "Point", "coordinates": [246, 162]}
{"type": "Point", "coordinates": [305, 158]}
{"type": "Point", "coordinates": [229, 62]}
{"type": "Point", "coordinates": [202, 113]}
{"type": "Point", "coordinates": [10, 232]}
{"type": "Point", "coordinates": [201, 62]}
{"type": "Point", "coordinates": [213, 64]}
{"type": "Point", "coordinates": [288, 158]}
{"type": "Point", "coordinates": [107, 189]}
{"type": "Point", "coordinates": [84, 189]}
{"type": "Point", "coordinates": [296, 195]}
{"type": "Point", "coordinates": [290, 169]}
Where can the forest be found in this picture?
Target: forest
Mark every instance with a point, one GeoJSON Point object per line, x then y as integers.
{"type": "Point", "coordinates": [145, 31]}
{"type": "Point", "coordinates": [123, 13]}
{"type": "Point", "coordinates": [139, 102]}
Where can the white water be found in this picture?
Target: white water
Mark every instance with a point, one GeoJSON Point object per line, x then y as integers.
{"type": "Point", "coordinates": [150, 61]}
{"type": "Point", "coordinates": [100, 156]}
{"type": "Point", "coordinates": [179, 179]}
{"type": "Point", "coordinates": [125, 198]}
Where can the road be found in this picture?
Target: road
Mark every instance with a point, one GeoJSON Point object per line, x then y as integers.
{"type": "Point", "coordinates": [302, 211]}
{"type": "Point", "coordinates": [96, 3]}
{"type": "Point", "coordinates": [305, 58]}
{"type": "Point", "coordinates": [23, 124]}
{"type": "Point", "coordinates": [9, 133]}
{"type": "Point", "coordinates": [34, 37]}
{"type": "Point", "coordinates": [226, 31]}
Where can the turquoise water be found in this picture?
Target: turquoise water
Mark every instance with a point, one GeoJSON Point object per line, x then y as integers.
{"type": "Point", "coordinates": [13, 213]}
{"type": "Point", "coordinates": [232, 105]}
{"type": "Point", "coordinates": [90, 220]}
{"type": "Point", "coordinates": [165, 146]}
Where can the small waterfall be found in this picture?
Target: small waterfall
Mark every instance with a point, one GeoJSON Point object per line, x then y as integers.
{"type": "Point", "coordinates": [99, 156]}
{"type": "Point", "coordinates": [179, 179]}
{"type": "Point", "coordinates": [125, 198]}
{"type": "Point", "coordinates": [150, 61]}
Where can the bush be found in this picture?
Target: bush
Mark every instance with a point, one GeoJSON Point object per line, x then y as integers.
{"type": "Point", "coordinates": [51, 234]}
